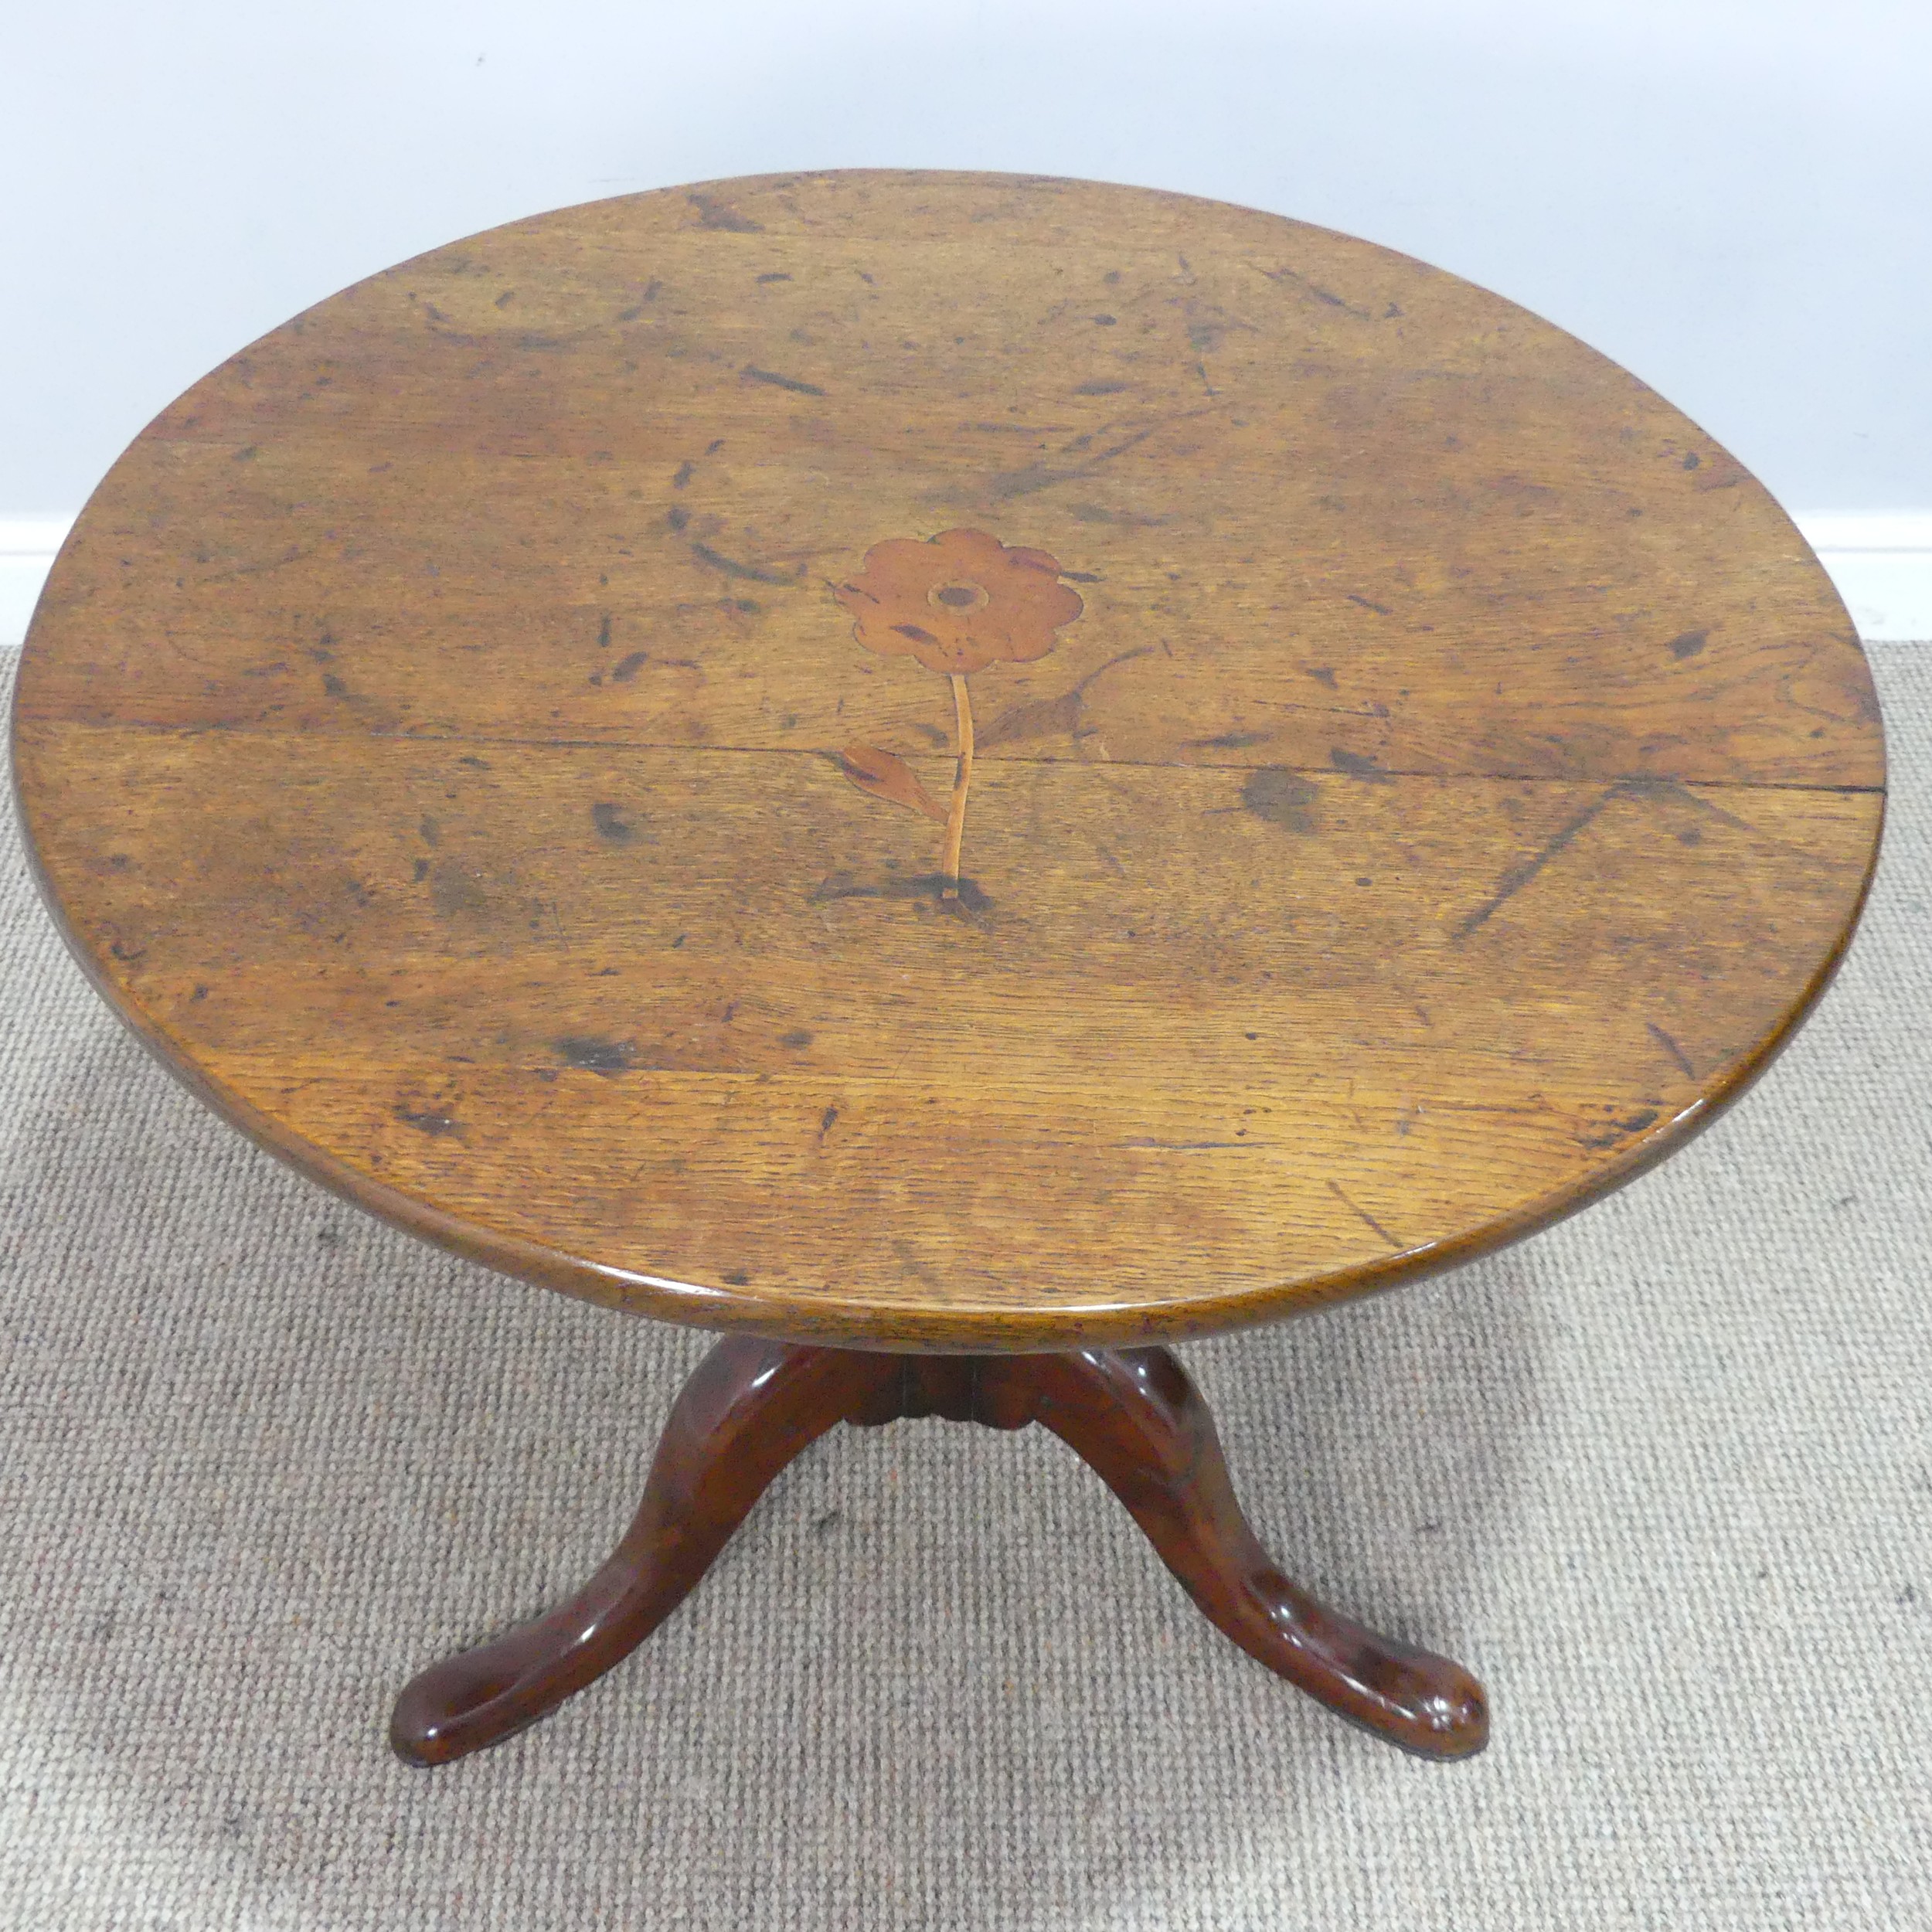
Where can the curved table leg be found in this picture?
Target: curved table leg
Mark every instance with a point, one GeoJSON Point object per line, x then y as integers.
{"type": "Point", "coordinates": [750, 1407]}
{"type": "Point", "coordinates": [1134, 1417]}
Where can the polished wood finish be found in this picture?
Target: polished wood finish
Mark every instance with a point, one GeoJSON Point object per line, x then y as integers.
{"type": "Point", "coordinates": [751, 1407]}
{"type": "Point", "coordinates": [1131, 1415]}
{"type": "Point", "coordinates": [1342, 774]}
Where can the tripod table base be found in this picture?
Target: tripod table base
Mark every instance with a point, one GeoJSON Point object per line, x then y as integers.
{"type": "Point", "coordinates": [1131, 1414]}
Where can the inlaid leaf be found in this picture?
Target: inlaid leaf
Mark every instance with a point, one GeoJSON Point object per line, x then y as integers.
{"type": "Point", "coordinates": [889, 778]}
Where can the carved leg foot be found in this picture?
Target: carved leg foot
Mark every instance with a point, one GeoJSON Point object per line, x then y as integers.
{"type": "Point", "coordinates": [748, 1409]}
{"type": "Point", "coordinates": [1134, 1417]}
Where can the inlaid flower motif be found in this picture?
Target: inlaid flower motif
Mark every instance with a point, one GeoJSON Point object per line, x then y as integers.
{"type": "Point", "coordinates": [957, 603]}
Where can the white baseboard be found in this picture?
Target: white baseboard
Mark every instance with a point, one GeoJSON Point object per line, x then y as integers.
{"type": "Point", "coordinates": [27, 547]}
{"type": "Point", "coordinates": [1881, 561]}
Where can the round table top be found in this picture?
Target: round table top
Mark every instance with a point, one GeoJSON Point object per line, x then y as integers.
{"type": "Point", "coordinates": [502, 737]}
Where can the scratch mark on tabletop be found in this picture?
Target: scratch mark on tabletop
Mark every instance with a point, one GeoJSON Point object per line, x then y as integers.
{"type": "Point", "coordinates": [748, 573]}
{"type": "Point", "coordinates": [791, 382]}
{"type": "Point", "coordinates": [1191, 1147]}
{"type": "Point", "coordinates": [1518, 875]}
{"type": "Point", "coordinates": [1362, 1214]}
{"type": "Point", "coordinates": [1671, 1047]}
{"type": "Point", "coordinates": [1314, 288]}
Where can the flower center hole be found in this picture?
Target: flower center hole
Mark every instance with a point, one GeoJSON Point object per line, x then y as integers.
{"type": "Point", "coordinates": [960, 596]}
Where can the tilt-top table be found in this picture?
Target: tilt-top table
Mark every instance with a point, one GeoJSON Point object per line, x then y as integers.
{"type": "Point", "coordinates": [956, 775]}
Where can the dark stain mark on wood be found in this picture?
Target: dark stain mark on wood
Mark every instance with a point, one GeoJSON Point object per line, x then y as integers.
{"type": "Point", "coordinates": [432, 832]}
{"type": "Point", "coordinates": [437, 1126]}
{"type": "Point", "coordinates": [826, 1120]}
{"type": "Point", "coordinates": [713, 213]}
{"type": "Point", "coordinates": [505, 300]}
{"type": "Point", "coordinates": [475, 763]}
{"type": "Point", "coordinates": [1671, 1047]}
{"type": "Point", "coordinates": [1369, 603]}
{"type": "Point", "coordinates": [797, 1038]}
{"type": "Point", "coordinates": [791, 382]}
{"type": "Point", "coordinates": [1099, 388]}
{"type": "Point", "coordinates": [1362, 1215]}
{"type": "Point", "coordinates": [1693, 460]}
{"type": "Point", "coordinates": [1050, 717]}
{"type": "Point", "coordinates": [737, 1278]}
{"type": "Point", "coordinates": [927, 885]}
{"type": "Point", "coordinates": [422, 871]}
{"type": "Point", "coordinates": [1282, 797]}
{"type": "Point", "coordinates": [773, 276]}
{"type": "Point", "coordinates": [1678, 793]}
{"type": "Point", "coordinates": [455, 892]}
{"type": "Point", "coordinates": [595, 1054]}
{"type": "Point", "coordinates": [1690, 644]}
{"type": "Point", "coordinates": [1616, 1130]}
{"type": "Point", "coordinates": [677, 516]}
{"type": "Point", "coordinates": [1358, 766]}
{"type": "Point", "coordinates": [1040, 718]}
{"type": "Point", "coordinates": [686, 472]}
{"type": "Point", "coordinates": [748, 573]}
{"type": "Point", "coordinates": [604, 633]}
{"type": "Point", "coordinates": [200, 992]}
{"type": "Point", "coordinates": [333, 685]}
{"type": "Point", "coordinates": [626, 669]}
{"type": "Point", "coordinates": [612, 824]}
{"type": "Point", "coordinates": [1321, 673]}
{"type": "Point", "coordinates": [916, 633]}
{"type": "Point", "coordinates": [1227, 741]}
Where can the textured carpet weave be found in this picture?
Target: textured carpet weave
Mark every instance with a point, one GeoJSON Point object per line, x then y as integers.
{"type": "Point", "coordinates": [1662, 1477]}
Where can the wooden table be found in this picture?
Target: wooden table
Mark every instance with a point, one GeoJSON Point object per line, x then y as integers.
{"type": "Point", "coordinates": [955, 775]}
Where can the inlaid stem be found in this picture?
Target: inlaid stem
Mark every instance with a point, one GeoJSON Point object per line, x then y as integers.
{"type": "Point", "coordinates": [962, 779]}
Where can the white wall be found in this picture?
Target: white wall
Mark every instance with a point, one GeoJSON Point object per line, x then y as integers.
{"type": "Point", "coordinates": [1732, 197]}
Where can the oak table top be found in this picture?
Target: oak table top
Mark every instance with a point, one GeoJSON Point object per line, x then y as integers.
{"type": "Point", "coordinates": [947, 762]}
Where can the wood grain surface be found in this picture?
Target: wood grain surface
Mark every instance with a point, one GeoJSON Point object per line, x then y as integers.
{"type": "Point", "coordinates": [486, 737]}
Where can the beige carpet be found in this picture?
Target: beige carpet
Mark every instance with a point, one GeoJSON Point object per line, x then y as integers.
{"type": "Point", "coordinates": [1663, 1476]}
